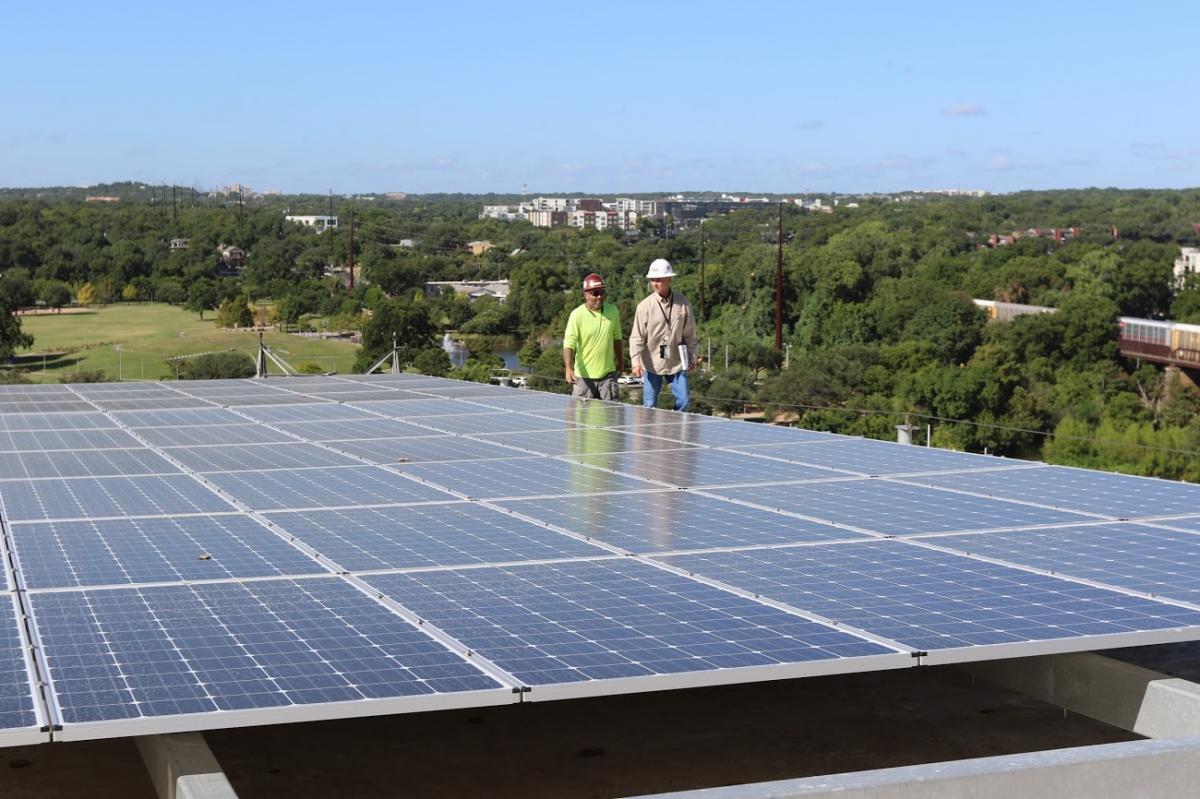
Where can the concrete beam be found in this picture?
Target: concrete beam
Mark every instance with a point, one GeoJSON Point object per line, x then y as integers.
{"type": "Point", "coordinates": [1162, 769]}
{"type": "Point", "coordinates": [182, 766]}
{"type": "Point", "coordinates": [1117, 693]}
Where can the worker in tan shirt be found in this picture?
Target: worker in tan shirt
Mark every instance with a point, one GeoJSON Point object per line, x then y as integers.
{"type": "Point", "coordinates": [663, 343]}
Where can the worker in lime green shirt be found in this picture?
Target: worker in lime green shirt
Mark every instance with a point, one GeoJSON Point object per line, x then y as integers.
{"type": "Point", "coordinates": [592, 355]}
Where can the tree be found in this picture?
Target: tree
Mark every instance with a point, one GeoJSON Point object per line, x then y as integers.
{"type": "Point", "coordinates": [217, 366]}
{"type": "Point", "coordinates": [235, 312]}
{"type": "Point", "coordinates": [201, 297]}
{"type": "Point", "coordinates": [130, 292]}
{"type": "Point", "coordinates": [12, 337]}
{"type": "Point", "coordinates": [433, 361]}
{"type": "Point", "coordinates": [55, 294]}
{"type": "Point", "coordinates": [85, 295]}
{"type": "Point", "coordinates": [170, 292]}
{"type": "Point", "coordinates": [407, 322]}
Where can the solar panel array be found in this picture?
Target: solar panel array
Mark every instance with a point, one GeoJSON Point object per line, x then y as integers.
{"type": "Point", "coordinates": [199, 555]}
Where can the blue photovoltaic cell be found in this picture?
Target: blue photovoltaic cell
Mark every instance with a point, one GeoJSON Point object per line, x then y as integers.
{"type": "Point", "coordinates": [54, 421]}
{"type": "Point", "coordinates": [893, 508]}
{"type": "Point", "coordinates": [869, 457]}
{"type": "Point", "coordinates": [189, 416]}
{"type": "Point", "coordinates": [307, 412]}
{"type": "Point", "coordinates": [404, 408]}
{"type": "Point", "coordinates": [593, 620]}
{"type": "Point", "coordinates": [98, 497]}
{"type": "Point", "coordinates": [1114, 495]}
{"type": "Point", "coordinates": [581, 441]}
{"type": "Point", "coordinates": [493, 422]}
{"type": "Point", "coordinates": [83, 463]}
{"type": "Point", "coordinates": [533, 402]}
{"type": "Point", "coordinates": [212, 434]}
{"type": "Point", "coordinates": [360, 396]}
{"type": "Point", "coordinates": [353, 429]}
{"type": "Point", "coordinates": [1184, 523]}
{"type": "Point", "coordinates": [697, 468]}
{"type": "Point", "coordinates": [420, 536]}
{"type": "Point", "coordinates": [45, 440]}
{"type": "Point", "coordinates": [521, 477]}
{"type": "Point", "coordinates": [431, 448]}
{"type": "Point", "coordinates": [1150, 560]}
{"type": "Point", "coordinates": [243, 402]}
{"type": "Point", "coordinates": [320, 488]}
{"type": "Point", "coordinates": [295, 455]}
{"type": "Point", "coordinates": [72, 405]}
{"type": "Point", "coordinates": [129, 653]}
{"type": "Point", "coordinates": [16, 693]}
{"type": "Point", "coordinates": [932, 600]}
{"type": "Point", "coordinates": [465, 390]}
{"type": "Point", "coordinates": [662, 521]}
{"type": "Point", "coordinates": [749, 436]}
{"type": "Point", "coordinates": [161, 549]}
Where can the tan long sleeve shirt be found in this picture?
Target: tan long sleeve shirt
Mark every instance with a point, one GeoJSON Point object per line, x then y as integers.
{"type": "Point", "coordinates": [658, 322]}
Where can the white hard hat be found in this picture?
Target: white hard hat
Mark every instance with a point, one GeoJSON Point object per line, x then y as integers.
{"type": "Point", "coordinates": [660, 267]}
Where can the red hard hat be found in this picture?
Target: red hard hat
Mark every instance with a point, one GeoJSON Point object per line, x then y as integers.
{"type": "Point", "coordinates": [593, 281]}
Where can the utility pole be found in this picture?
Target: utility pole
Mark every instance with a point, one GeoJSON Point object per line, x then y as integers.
{"type": "Point", "coordinates": [352, 248]}
{"type": "Point", "coordinates": [329, 230]}
{"type": "Point", "coordinates": [702, 270]}
{"type": "Point", "coordinates": [779, 284]}
{"type": "Point", "coordinates": [174, 204]}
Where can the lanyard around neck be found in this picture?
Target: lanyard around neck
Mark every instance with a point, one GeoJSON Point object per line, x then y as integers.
{"type": "Point", "coordinates": [670, 307]}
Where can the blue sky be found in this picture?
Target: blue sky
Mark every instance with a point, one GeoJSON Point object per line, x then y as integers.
{"type": "Point", "coordinates": [602, 97]}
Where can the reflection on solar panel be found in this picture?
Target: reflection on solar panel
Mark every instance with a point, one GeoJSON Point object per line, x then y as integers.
{"type": "Point", "coordinates": [521, 477]}
{"type": "Point", "coordinates": [413, 536]}
{"type": "Point", "coordinates": [595, 620]}
{"type": "Point", "coordinates": [1114, 495]}
{"type": "Point", "coordinates": [696, 468]}
{"type": "Point", "coordinates": [888, 508]}
{"type": "Point", "coordinates": [161, 549]}
{"type": "Point", "coordinates": [166, 560]}
{"type": "Point", "coordinates": [934, 601]}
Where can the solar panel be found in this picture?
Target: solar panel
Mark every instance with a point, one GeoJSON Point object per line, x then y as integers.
{"type": "Point", "coordinates": [717, 433]}
{"type": "Point", "coordinates": [953, 608]}
{"type": "Point", "coordinates": [1113, 495]}
{"type": "Point", "coordinates": [161, 549]}
{"type": "Point", "coordinates": [579, 622]}
{"type": "Point", "coordinates": [191, 416]}
{"type": "Point", "coordinates": [520, 477]}
{"type": "Point", "coordinates": [339, 487]}
{"type": "Point", "coordinates": [869, 457]}
{"type": "Point", "coordinates": [49, 440]}
{"type": "Point", "coordinates": [697, 468]}
{"type": "Point", "coordinates": [580, 441]}
{"type": "Point", "coordinates": [84, 463]}
{"type": "Point", "coordinates": [414, 536]}
{"type": "Point", "coordinates": [294, 455]}
{"type": "Point", "coordinates": [354, 429]}
{"type": "Point", "coordinates": [664, 521]}
{"type": "Point", "coordinates": [891, 508]}
{"type": "Point", "coordinates": [211, 435]}
{"type": "Point", "coordinates": [17, 422]}
{"type": "Point", "coordinates": [609, 548]}
{"type": "Point", "coordinates": [179, 653]}
{"type": "Point", "coordinates": [1135, 557]}
{"type": "Point", "coordinates": [20, 720]}
{"type": "Point", "coordinates": [101, 497]}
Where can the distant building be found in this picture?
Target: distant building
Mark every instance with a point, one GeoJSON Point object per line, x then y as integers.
{"type": "Point", "coordinates": [1003, 311]}
{"type": "Point", "coordinates": [395, 195]}
{"type": "Point", "coordinates": [1188, 263]}
{"type": "Point", "coordinates": [101, 198]}
{"type": "Point", "coordinates": [1059, 234]}
{"type": "Point", "coordinates": [478, 248]}
{"type": "Point", "coordinates": [178, 244]}
{"type": "Point", "coordinates": [232, 257]}
{"type": "Point", "coordinates": [473, 289]}
{"type": "Point", "coordinates": [317, 222]}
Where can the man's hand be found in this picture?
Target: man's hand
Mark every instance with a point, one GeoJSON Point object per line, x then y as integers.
{"type": "Point", "coordinates": [637, 369]}
{"type": "Point", "coordinates": [569, 373]}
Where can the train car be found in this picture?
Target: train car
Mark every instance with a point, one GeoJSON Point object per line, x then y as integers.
{"type": "Point", "coordinates": [1168, 342]}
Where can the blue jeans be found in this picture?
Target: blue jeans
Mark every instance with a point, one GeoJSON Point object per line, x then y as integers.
{"type": "Point", "coordinates": [652, 384]}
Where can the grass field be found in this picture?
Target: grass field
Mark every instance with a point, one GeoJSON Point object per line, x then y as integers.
{"type": "Point", "coordinates": [133, 342]}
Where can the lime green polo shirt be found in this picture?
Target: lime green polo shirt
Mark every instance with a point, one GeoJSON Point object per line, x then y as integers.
{"type": "Point", "coordinates": [591, 336]}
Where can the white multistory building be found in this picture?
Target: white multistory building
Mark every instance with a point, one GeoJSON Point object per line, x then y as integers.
{"type": "Point", "coordinates": [1188, 263]}
{"type": "Point", "coordinates": [318, 222]}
